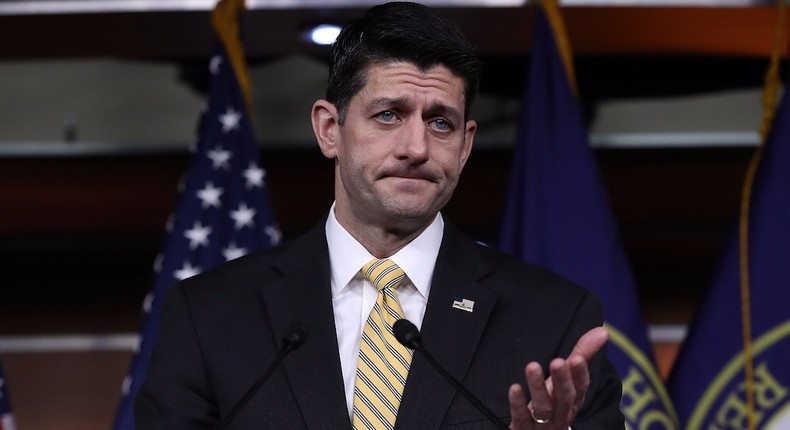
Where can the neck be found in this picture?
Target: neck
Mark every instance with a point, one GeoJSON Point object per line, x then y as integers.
{"type": "Point", "coordinates": [381, 241]}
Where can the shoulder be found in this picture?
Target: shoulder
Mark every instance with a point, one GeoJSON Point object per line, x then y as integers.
{"type": "Point", "coordinates": [254, 271]}
{"type": "Point", "coordinates": [517, 278]}
{"type": "Point", "coordinates": [514, 281]}
{"type": "Point", "coordinates": [485, 262]}
{"type": "Point", "coordinates": [501, 262]}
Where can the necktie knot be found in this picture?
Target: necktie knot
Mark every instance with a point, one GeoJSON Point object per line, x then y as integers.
{"type": "Point", "coordinates": [383, 273]}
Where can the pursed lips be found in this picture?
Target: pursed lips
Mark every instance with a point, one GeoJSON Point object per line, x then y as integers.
{"type": "Point", "coordinates": [410, 175]}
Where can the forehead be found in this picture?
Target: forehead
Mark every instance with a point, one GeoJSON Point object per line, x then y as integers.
{"type": "Point", "coordinates": [403, 79]}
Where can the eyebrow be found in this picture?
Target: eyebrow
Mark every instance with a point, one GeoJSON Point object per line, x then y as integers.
{"type": "Point", "coordinates": [385, 102]}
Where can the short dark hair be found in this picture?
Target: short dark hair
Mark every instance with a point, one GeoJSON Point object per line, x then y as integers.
{"type": "Point", "coordinates": [398, 31]}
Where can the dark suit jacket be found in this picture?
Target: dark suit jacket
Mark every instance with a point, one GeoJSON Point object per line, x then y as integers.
{"type": "Point", "coordinates": [221, 329]}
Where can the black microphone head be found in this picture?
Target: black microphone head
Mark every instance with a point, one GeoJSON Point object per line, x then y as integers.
{"type": "Point", "coordinates": [295, 335]}
{"type": "Point", "coordinates": [407, 334]}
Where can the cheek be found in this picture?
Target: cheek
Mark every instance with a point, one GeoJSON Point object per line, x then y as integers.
{"type": "Point", "coordinates": [358, 144]}
{"type": "Point", "coordinates": [451, 161]}
{"type": "Point", "coordinates": [354, 165]}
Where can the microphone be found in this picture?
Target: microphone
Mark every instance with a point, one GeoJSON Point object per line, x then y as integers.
{"type": "Point", "coordinates": [408, 335]}
{"type": "Point", "coordinates": [295, 335]}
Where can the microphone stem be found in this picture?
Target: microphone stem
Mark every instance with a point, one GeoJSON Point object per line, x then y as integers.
{"type": "Point", "coordinates": [461, 389]}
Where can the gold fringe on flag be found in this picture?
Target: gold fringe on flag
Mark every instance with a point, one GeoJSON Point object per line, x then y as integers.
{"type": "Point", "coordinates": [770, 96]}
{"type": "Point", "coordinates": [225, 20]}
{"type": "Point", "coordinates": [552, 10]}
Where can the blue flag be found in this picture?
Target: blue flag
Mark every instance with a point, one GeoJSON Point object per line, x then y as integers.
{"type": "Point", "coordinates": [6, 418]}
{"type": "Point", "coordinates": [223, 211]}
{"type": "Point", "coordinates": [708, 379]}
{"type": "Point", "coordinates": [558, 216]}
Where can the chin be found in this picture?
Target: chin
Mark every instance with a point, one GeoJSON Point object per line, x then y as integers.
{"type": "Point", "coordinates": [413, 214]}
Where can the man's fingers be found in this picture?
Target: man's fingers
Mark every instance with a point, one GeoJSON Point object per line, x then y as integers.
{"type": "Point", "coordinates": [519, 414]}
{"type": "Point", "coordinates": [590, 343]}
{"type": "Point", "coordinates": [564, 389]}
{"type": "Point", "coordinates": [541, 403]}
{"type": "Point", "coordinates": [587, 346]}
{"type": "Point", "coordinates": [581, 379]}
{"type": "Point", "coordinates": [559, 397]}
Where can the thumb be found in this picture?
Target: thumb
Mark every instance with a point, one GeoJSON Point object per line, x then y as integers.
{"type": "Point", "coordinates": [590, 343]}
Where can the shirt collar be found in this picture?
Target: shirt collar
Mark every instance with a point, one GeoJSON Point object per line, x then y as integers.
{"type": "Point", "coordinates": [347, 256]}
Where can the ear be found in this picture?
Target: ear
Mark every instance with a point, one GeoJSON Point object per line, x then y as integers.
{"type": "Point", "coordinates": [326, 127]}
{"type": "Point", "coordinates": [469, 138]}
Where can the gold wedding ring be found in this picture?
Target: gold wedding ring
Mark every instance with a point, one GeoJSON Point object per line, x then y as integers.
{"type": "Point", "coordinates": [536, 419]}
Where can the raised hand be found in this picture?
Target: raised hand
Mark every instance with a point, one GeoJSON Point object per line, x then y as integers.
{"type": "Point", "coordinates": [556, 400]}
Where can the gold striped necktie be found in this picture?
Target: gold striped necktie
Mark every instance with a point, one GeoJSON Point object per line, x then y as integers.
{"type": "Point", "coordinates": [383, 362]}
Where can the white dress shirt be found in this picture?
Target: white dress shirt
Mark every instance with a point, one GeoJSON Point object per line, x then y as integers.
{"type": "Point", "coordinates": [353, 296]}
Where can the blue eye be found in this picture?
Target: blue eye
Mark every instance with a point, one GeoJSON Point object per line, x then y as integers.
{"type": "Point", "coordinates": [441, 124]}
{"type": "Point", "coordinates": [387, 116]}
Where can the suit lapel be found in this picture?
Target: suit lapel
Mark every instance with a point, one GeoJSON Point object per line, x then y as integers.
{"type": "Point", "coordinates": [303, 293]}
{"type": "Point", "coordinates": [451, 335]}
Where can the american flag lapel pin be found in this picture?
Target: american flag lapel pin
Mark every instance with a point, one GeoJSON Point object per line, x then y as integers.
{"type": "Point", "coordinates": [463, 304]}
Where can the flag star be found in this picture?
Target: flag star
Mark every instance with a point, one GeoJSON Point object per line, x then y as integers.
{"type": "Point", "coordinates": [186, 271]}
{"type": "Point", "coordinates": [219, 158]}
{"type": "Point", "coordinates": [254, 175]}
{"type": "Point", "coordinates": [158, 261]}
{"type": "Point", "coordinates": [233, 252]}
{"type": "Point", "coordinates": [230, 120]}
{"type": "Point", "coordinates": [274, 234]}
{"type": "Point", "coordinates": [126, 385]}
{"type": "Point", "coordinates": [210, 195]}
{"type": "Point", "coordinates": [213, 65]}
{"type": "Point", "coordinates": [197, 235]}
{"type": "Point", "coordinates": [148, 302]}
{"type": "Point", "coordinates": [243, 216]}
{"type": "Point", "coordinates": [171, 221]}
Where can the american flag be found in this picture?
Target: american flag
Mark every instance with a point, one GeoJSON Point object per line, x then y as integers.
{"type": "Point", "coordinates": [6, 418]}
{"type": "Point", "coordinates": [223, 212]}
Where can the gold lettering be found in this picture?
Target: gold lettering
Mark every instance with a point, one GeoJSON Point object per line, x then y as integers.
{"type": "Point", "coordinates": [733, 413]}
{"type": "Point", "coordinates": [767, 390]}
{"type": "Point", "coordinates": [636, 395]}
{"type": "Point", "coordinates": [768, 393]}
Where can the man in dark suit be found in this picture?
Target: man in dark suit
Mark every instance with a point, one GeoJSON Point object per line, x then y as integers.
{"type": "Point", "coordinates": [395, 122]}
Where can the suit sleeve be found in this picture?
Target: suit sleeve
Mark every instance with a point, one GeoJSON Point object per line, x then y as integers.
{"type": "Point", "coordinates": [176, 393]}
{"type": "Point", "coordinates": [601, 409]}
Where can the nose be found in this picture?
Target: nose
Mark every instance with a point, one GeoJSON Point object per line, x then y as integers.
{"type": "Point", "coordinates": [413, 142]}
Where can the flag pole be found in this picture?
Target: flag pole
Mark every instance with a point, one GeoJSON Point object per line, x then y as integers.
{"type": "Point", "coordinates": [552, 10]}
{"type": "Point", "coordinates": [770, 95]}
{"type": "Point", "coordinates": [225, 21]}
